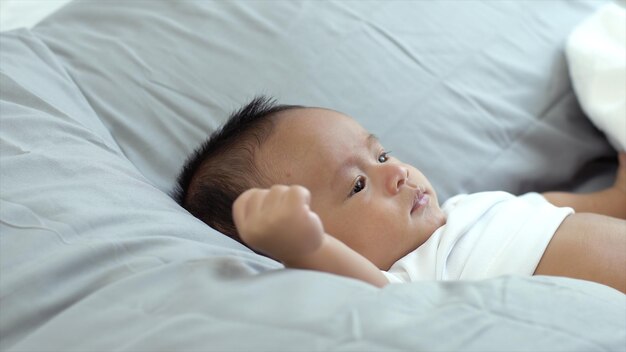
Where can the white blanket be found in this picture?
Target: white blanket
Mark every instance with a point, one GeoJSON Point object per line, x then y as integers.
{"type": "Point", "coordinates": [19, 13]}
{"type": "Point", "coordinates": [596, 52]}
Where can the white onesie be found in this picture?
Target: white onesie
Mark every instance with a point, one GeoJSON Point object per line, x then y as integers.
{"type": "Point", "coordinates": [486, 234]}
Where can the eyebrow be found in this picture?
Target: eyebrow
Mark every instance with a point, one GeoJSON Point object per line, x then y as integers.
{"type": "Point", "coordinates": [371, 139]}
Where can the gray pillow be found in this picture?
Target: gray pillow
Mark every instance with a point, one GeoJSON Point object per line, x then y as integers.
{"type": "Point", "coordinates": [476, 94]}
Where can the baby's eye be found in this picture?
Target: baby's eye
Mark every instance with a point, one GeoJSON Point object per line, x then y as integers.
{"type": "Point", "coordinates": [383, 157]}
{"type": "Point", "coordinates": [359, 185]}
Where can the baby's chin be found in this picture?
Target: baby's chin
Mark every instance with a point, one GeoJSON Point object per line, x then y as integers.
{"type": "Point", "coordinates": [431, 225]}
{"type": "Point", "coordinates": [433, 219]}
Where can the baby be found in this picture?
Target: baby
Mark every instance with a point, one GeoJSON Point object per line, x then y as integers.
{"type": "Point", "coordinates": [311, 188]}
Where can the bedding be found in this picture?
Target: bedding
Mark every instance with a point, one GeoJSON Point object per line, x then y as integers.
{"type": "Point", "coordinates": [19, 13]}
{"type": "Point", "coordinates": [596, 53]}
{"type": "Point", "coordinates": [101, 102]}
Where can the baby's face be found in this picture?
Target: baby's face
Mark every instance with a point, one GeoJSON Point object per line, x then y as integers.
{"type": "Point", "coordinates": [371, 201]}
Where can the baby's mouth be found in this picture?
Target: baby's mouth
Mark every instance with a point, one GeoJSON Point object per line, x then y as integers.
{"type": "Point", "coordinates": [420, 200]}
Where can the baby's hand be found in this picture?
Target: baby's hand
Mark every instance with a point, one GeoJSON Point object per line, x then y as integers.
{"type": "Point", "coordinates": [278, 221]}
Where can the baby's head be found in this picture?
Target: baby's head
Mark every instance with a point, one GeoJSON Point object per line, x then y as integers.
{"type": "Point", "coordinates": [374, 203]}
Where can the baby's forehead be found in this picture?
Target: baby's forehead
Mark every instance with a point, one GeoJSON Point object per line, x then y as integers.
{"type": "Point", "coordinates": [312, 141]}
{"type": "Point", "coordinates": [319, 123]}
{"type": "Point", "coordinates": [319, 113]}
{"type": "Point", "coordinates": [316, 123]}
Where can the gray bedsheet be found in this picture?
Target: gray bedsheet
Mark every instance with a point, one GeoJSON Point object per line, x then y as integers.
{"type": "Point", "coordinates": [102, 101]}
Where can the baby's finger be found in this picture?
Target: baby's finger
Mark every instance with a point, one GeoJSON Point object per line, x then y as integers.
{"type": "Point", "coordinates": [245, 204]}
{"type": "Point", "coordinates": [316, 222]}
{"type": "Point", "coordinates": [257, 201]}
{"type": "Point", "coordinates": [275, 196]}
{"type": "Point", "coordinates": [298, 195]}
{"type": "Point", "coordinates": [239, 206]}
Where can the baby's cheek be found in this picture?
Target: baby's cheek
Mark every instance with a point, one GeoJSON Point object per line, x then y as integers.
{"type": "Point", "coordinates": [329, 221]}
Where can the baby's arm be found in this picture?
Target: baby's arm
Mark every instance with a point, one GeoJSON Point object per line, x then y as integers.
{"type": "Point", "coordinates": [589, 247]}
{"type": "Point", "coordinates": [279, 223]}
{"type": "Point", "coordinates": [610, 201]}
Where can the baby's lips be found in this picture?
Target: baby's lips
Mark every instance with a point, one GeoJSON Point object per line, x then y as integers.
{"type": "Point", "coordinates": [420, 199]}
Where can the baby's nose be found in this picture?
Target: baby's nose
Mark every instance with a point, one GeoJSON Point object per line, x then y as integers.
{"type": "Point", "coordinates": [397, 177]}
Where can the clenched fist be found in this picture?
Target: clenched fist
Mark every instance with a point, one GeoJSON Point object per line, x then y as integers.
{"type": "Point", "coordinates": [278, 221]}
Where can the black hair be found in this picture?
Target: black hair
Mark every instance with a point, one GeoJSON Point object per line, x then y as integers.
{"type": "Point", "coordinates": [223, 166]}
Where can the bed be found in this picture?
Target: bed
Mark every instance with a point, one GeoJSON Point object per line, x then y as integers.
{"type": "Point", "coordinates": [102, 102]}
